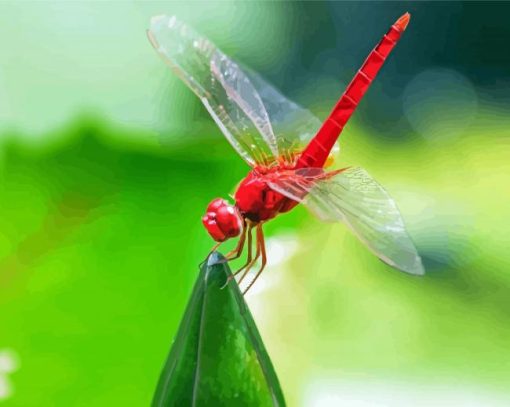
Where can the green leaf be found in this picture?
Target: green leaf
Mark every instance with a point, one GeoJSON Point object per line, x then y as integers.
{"type": "Point", "coordinates": [218, 357]}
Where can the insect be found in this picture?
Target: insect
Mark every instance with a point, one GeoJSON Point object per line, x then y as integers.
{"type": "Point", "coordinates": [287, 149]}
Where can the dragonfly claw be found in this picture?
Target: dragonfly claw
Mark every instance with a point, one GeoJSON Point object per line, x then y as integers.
{"type": "Point", "coordinates": [229, 279]}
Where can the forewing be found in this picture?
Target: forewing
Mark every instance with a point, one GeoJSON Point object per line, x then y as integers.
{"type": "Point", "coordinates": [355, 198]}
{"type": "Point", "coordinates": [293, 125]}
{"type": "Point", "coordinates": [221, 85]}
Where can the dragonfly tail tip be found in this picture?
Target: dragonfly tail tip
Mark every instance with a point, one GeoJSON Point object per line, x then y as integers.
{"type": "Point", "coordinates": [403, 21]}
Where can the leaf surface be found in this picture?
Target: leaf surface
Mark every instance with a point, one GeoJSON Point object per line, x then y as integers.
{"type": "Point", "coordinates": [218, 357]}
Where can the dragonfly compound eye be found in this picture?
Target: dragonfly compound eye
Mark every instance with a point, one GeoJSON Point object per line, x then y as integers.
{"type": "Point", "coordinates": [222, 220]}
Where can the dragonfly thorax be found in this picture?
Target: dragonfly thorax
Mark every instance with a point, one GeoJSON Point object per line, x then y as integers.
{"type": "Point", "coordinates": [257, 202]}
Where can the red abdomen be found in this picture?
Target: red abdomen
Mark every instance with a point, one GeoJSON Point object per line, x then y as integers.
{"type": "Point", "coordinates": [257, 202]}
{"type": "Point", "coordinates": [317, 151]}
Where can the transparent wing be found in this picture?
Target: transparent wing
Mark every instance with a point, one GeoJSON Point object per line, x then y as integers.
{"type": "Point", "coordinates": [355, 198]}
{"type": "Point", "coordinates": [293, 125]}
{"type": "Point", "coordinates": [221, 85]}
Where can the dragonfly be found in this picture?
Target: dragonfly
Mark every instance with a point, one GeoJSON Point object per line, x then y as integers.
{"type": "Point", "coordinates": [288, 150]}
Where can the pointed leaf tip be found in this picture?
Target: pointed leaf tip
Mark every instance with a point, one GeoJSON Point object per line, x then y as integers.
{"type": "Point", "coordinates": [214, 258]}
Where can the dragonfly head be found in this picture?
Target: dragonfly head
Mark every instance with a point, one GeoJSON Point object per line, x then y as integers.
{"type": "Point", "coordinates": [222, 220]}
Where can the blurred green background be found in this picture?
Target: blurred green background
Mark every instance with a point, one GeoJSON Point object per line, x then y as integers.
{"type": "Point", "coordinates": [107, 163]}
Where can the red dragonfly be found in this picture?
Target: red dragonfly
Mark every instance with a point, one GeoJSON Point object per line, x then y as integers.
{"type": "Point", "coordinates": [287, 149]}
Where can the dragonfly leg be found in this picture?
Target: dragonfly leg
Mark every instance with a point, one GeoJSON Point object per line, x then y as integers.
{"type": "Point", "coordinates": [257, 255]}
{"type": "Point", "coordinates": [250, 252]}
{"type": "Point", "coordinates": [215, 247]}
{"type": "Point", "coordinates": [236, 253]}
{"type": "Point", "coordinates": [248, 258]}
{"type": "Point", "coordinates": [262, 245]}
